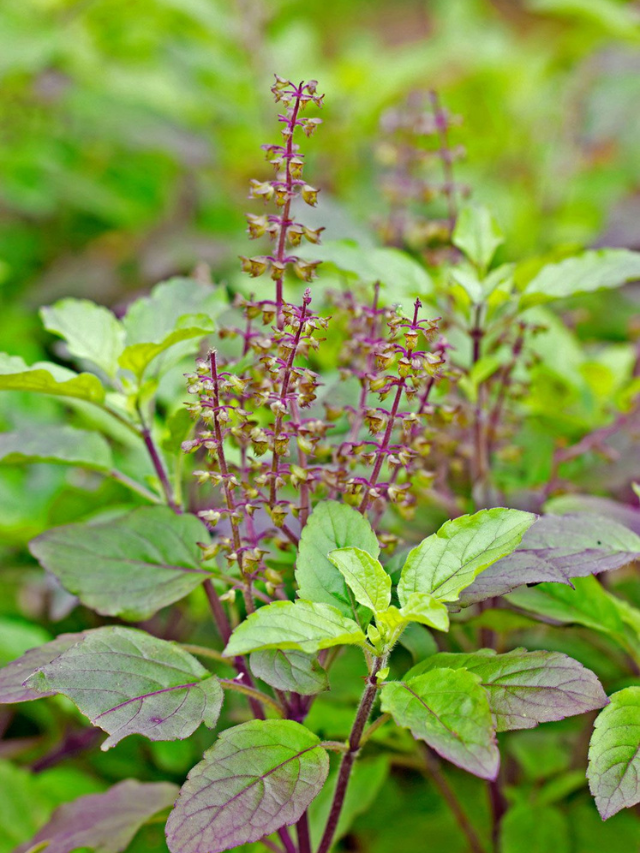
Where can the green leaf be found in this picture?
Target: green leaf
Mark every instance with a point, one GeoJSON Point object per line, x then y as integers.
{"type": "Point", "coordinates": [477, 234]}
{"type": "Point", "coordinates": [526, 688]}
{"type": "Point", "coordinates": [290, 670]}
{"type": "Point", "coordinates": [449, 710]}
{"type": "Point", "coordinates": [60, 444]}
{"type": "Point", "coordinates": [128, 682]}
{"type": "Point", "coordinates": [257, 777]}
{"type": "Point", "coordinates": [303, 625]}
{"type": "Point", "coordinates": [153, 318]}
{"type": "Point", "coordinates": [592, 270]}
{"type": "Point", "coordinates": [396, 269]}
{"type": "Point", "coordinates": [47, 378]}
{"type": "Point", "coordinates": [614, 754]}
{"type": "Point", "coordinates": [449, 560]}
{"type": "Point", "coordinates": [92, 332]}
{"type": "Point", "coordinates": [427, 610]}
{"type": "Point", "coordinates": [105, 822]}
{"type": "Point", "coordinates": [138, 357]}
{"type": "Point", "coordinates": [365, 577]}
{"type": "Point", "coordinates": [130, 566]}
{"type": "Point", "coordinates": [535, 829]}
{"type": "Point", "coordinates": [331, 526]}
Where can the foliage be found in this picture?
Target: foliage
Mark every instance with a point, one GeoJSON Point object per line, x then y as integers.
{"type": "Point", "coordinates": [343, 552]}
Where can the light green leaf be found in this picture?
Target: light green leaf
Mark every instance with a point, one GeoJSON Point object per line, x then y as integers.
{"type": "Point", "coordinates": [365, 577]}
{"type": "Point", "coordinates": [303, 625]}
{"type": "Point", "coordinates": [290, 670]}
{"type": "Point", "coordinates": [614, 754]}
{"type": "Point", "coordinates": [427, 610]}
{"type": "Point", "coordinates": [128, 682]}
{"type": "Point", "coordinates": [60, 444]}
{"type": "Point", "coordinates": [392, 267]}
{"type": "Point", "coordinates": [477, 234]}
{"type": "Point", "coordinates": [331, 526]}
{"type": "Point", "coordinates": [449, 560]}
{"type": "Point", "coordinates": [536, 829]}
{"type": "Point", "coordinates": [592, 270]}
{"type": "Point", "coordinates": [138, 357]}
{"type": "Point", "coordinates": [526, 688]}
{"type": "Point", "coordinates": [450, 711]}
{"type": "Point", "coordinates": [130, 566]}
{"type": "Point", "coordinates": [257, 777]}
{"type": "Point", "coordinates": [47, 378]}
{"type": "Point", "coordinates": [92, 332]}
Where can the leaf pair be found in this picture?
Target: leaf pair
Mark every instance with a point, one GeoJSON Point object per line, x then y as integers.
{"type": "Point", "coordinates": [457, 702]}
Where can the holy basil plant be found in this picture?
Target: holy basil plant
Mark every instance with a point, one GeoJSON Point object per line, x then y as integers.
{"type": "Point", "coordinates": [260, 777]}
{"type": "Point", "coordinates": [302, 563]}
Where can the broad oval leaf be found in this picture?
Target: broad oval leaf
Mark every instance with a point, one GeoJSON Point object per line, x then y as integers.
{"type": "Point", "coordinates": [303, 625]}
{"type": "Point", "coordinates": [449, 710]}
{"type": "Point", "coordinates": [449, 560]}
{"type": "Point", "coordinates": [128, 682]}
{"type": "Point", "coordinates": [614, 754]}
{"type": "Point", "coordinates": [104, 822]}
{"type": "Point", "coordinates": [365, 577]}
{"type": "Point", "coordinates": [138, 357]}
{"type": "Point", "coordinates": [92, 332]}
{"type": "Point", "coordinates": [331, 526]}
{"type": "Point", "coordinates": [290, 670]}
{"type": "Point", "coordinates": [558, 548]}
{"type": "Point", "coordinates": [47, 378]}
{"type": "Point", "coordinates": [257, 777]}
{"type": "Point", "coordinates": [592, 270]}
{"type": "Point", "coordinates": [526, 688]}
{"type": "Point", "coordinates": [427, 610]}
{"type": "Point", "coordinates": [59, 444]}
{"type": "Point", "coordinates": [14, 674]}
{"type": "Point", "coordinates": [130, 566]}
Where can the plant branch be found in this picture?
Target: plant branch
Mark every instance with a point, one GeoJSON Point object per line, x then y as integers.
{"type": "Point", "coordinates": [157, 463]}
{"type": "Point", "coordinates": [348, 759]}
{"type": "Point", "coordinates": [134, 486]}
{"type": "Point", "coordinates": [258, 695]}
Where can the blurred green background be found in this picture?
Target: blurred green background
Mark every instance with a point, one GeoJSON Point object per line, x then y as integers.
{"type": "Point", "coordinates": [129, 130]}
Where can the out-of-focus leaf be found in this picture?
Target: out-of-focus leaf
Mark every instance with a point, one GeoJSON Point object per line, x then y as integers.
{"type": "Point", "coordinates": [128, 682]}
{"type": "Point", "coordinates": [257, 777]}
{"type": "Point", "coordinates": [59, 444]}
{"type": "Point", "coordinates": [130, 566]}
{"type": "Point", "coordinates": [138, 357]}
{"type": "Point", "coordinates": [331, 526]}
{"type": "Point", "coordinates": [449, 560]}
{"type": "Point", "coordinates": [303, 625]}
{"type": "Point", "coordinates": [91, 332]}
{"type": "Point", "coordinates": [478, 235]}
{"type": "Point", "coordinates": [614, 754]}
{"type": "Point", "coordinates": [592, 270]}
{"type": "Point", "coordinates": [449, 710]}
{"type": "Point", "coordinates": [536, 829]}
{"type": "Point", "coordinates": [290, 670]}
{"type": "Point", "coordinates": [105, 822]}
{"type": "Point", "coordinates": [558, 548]}
{"type": "Point", "coordinates": [526, 688]}
{"type": "Point", "coordinates": [47, 378]}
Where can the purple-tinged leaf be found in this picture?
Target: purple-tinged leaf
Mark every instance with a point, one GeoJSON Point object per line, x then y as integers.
{"type": "Point", "coordinates": [104, 822]}
{"type": "Point", "coordinates": [557, 548]}
{"type": "Point", "coordinates": [130, 566]}
{"type": "Point", "coordinates": [614, 754]}
{"type": "Point", "coordinates": [449, 709]}
{"type": "Point", "coordinates": [14, 674]}
{"type": "Point", "coordinates": [526, 688]}
{"type": "Point", "coordinates": [290, 670]}
{"type": "Point", "coordinates": [256, 778]}
{"type": "Point", "coordinates": [128, 682]}
{"type": "Point", "coordinates": [622, 513]}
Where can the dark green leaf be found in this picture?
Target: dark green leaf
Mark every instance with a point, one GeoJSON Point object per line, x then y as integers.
{"type": "Point", "coordinates": [290, 670]}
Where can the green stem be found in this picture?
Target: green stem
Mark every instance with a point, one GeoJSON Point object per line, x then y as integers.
{"type": "Point", "coordinates": [258, 695]}
{"type": "Point", "coordinates": [134, 486]}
